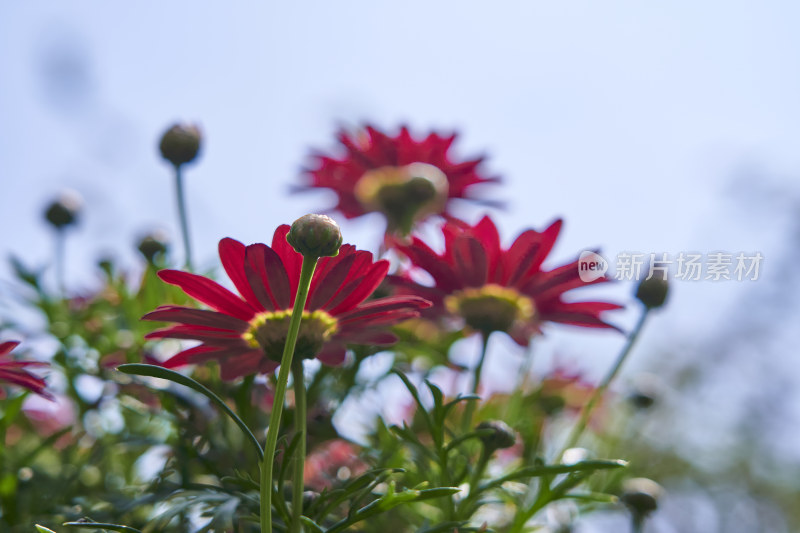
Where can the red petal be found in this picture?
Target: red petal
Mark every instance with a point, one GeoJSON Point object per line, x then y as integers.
{"type": "Point", "coordinates": [330, 279]}
{"type": "Point", "coordinates": [548, 285]}
{"type": "Point", "coordinates": [424, 257]}
{"type": "Point", "coordinates": [384, 311]}
{"type": "Point", "coordinates": [369, 337]}
{"type": "Point", "coordinates": [359, 290]}
{"type": "Point", "coordinates": [486, 232]}
{"type": "Point", "coordinates": [27, 380]}
{"type": "Point", "coordinates": [469, 261]}
{"type": "Point", "coordinates": [191, 356]}
{"type": "Point", "coordinates": [291, 260]}
{"type": "Point", "coordinates": [236, 366]}
{"type": "Point", "coordinates": [332, 354]}
{"type": "Point", "coordinates": [268, 277]}
{"type": "Point", "coordinates": [209, 293]}
{"type": "Point", "coordinates": [578, 319]}
{"type": "Point", "coordinates": [6, 347]}
{"type": "Point", "coordinates": [197, 317]}
{"type": "Point", "coordinates": [528, 252]}
{"type": "Point", "coordinates": [232, 253]}
{"type": "Point", "coordinates": [211, 336]}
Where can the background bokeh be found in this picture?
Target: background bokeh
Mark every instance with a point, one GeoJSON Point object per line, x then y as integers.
{"type": "Point", "coordinates": [650, 127]}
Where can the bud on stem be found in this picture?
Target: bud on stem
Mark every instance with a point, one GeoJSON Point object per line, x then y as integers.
{"type": "Point", "coordinates": [315, 236]}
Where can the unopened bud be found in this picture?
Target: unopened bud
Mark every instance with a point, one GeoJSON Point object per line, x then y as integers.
{"type": "Point", "coordinates": [153, 245]}
{"type": "Point", "coordinates": [64, 210]}
{"type": "Point", "coordinates": [647, 389]}
{"type": "Point", "coordinates": [497, 435]}
{"type": "Point", "coordinates": [309, 498]}
{"type": "Point", "coordinates": [652, 292]}
{"type": "Point", "coordinates": [641, 495]}
{"type": "Point", "coordinates": [315, 236]}
{"type": "Point", "coordinates": [181, 143]}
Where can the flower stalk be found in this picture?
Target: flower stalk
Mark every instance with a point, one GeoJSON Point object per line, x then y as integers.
{"type": "Point", "coordinates": [184, 221]}
{"type": "Point", "coordinates": [469, 410]}
{"type": "Point", "coordinates": [600, 391]}
{"type": "Point", "coordinates": [300, 421]}
{"type": "Point", "coordinates": [306, 273]}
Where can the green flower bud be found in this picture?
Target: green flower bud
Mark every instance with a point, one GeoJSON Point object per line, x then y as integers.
{"type": "Point", "coordinates": [64, 210]}
{"type": "Point", "coordinates": [315, 236]}
{"type": "Point", "coordinates": [501, 435]}
{"type": "Point", "coordinates": [181, 143]}
{"type": "Point", "coordinates": [641, 495]}
{"type": "Point", "coordinates": [652, 292]}
{"type": "Point", "coordinates": [309, 498]}
{"type": "Point", "coordinates": [647, 390]}
{"type": "Point", "coordinates": [153, 246]}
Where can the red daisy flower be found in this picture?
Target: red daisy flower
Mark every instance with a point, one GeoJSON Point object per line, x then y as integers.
{"type": "Point", "coordinates": [496, 289]}
{"type": "Point", "coordinates": [246, 334]}
{"type": "Point", "coordinates": [405, 179]}
{"type": "Point", "coordinates": [16, 372]}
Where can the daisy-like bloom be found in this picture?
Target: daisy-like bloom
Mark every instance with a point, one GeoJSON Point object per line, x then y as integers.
{"type": "Point", "coordinates": [406, 179]}
{"type": "Point", "coordinates": [16, 372]}
{"type": "Point", "coordinates": [246, 333]}
{"type": "Point", "coordinates": [497, 289]}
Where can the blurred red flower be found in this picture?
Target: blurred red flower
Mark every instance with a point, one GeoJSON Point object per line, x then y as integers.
{"type": "Point", "coordinates": [405, 179]}
{"type": "Point", "coordinates": [16, 372]}
{"type": "Point", "coordinates": [497, 289]}
{"type": "Point", "coordinates": [246, 334]}
{"type": "Point", "coordinates": [334, 462]}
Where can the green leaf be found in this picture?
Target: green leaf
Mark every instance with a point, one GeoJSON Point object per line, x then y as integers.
{"type": "Point", "coordinates": [390, 500]}
{"type": "Point", "coordinates": [87, 524]}
{"type": "Point", "coordinates": [288, 456]}
{"type": "Point", "coordinates": [31, 277]}
{"type": "Point", "coordinates": [407, 435]}
{"type": "Point", "coordinates": [449, 527]}
{"type": "Point", "coordinates": [12, 409]}
{"type": "Point", "coordinates": [356, 487]}
{"type": "Point", "coordinates": [547, 470]}
{"type": "Point", "coordinates": [42, 529]}
{"type": "Point", "coordinates": [415, 394]}
{"type": "Point", "coordinates": [310, 525]}
{"type": "Point", "coordinates": [139, 369]}
{"type": "Point", "coordinates": [599, 497]}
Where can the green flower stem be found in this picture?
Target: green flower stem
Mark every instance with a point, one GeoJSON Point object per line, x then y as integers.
{"type": "Point", "coordinates": [474, 480]}
{"type": "Point", "coordinates": [515, 402]}
{"type": "Point", "coordinates": [306, 273]}
{"type": "Point", "coordinates": [586, 413]}
{"type": "Point", "coordinates": [60, 245]}
{"type": "Point", "coordinates": [637, 523]}
{"type": "Point", "coordinates": [300, 453]}
{"type": "Point", "coordinates": [182, 215]}
{"type": "Point", "coordinates": [469, 410]}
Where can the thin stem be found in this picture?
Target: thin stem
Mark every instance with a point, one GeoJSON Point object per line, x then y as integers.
{"type": "Point", "coordinates": [469, 410]}
{"type": "Point", "coordinates": [514, 402]}
{"type": "Point", "coordinates": [300, 453]}
{"type": "Point", "coordinates": [475, 479]}
{"type": "Point", "coordinates": [182, 215]}
{"type": "Point", "coordinates": [306, 274]}
{"type": "Point", "coordinates": [586, 413]}
{"type": "Point", "coordinates": [60, 258]}
{"type": "Point", "coordinates": [637, 523]}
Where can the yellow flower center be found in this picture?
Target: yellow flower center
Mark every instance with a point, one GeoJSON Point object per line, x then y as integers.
{"type": "Point", "coordinates": [491, 307]}
{"type": "Point", "coordinates": [268, 331]}
{"type": "Point", "coordinates": [403, 194]}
